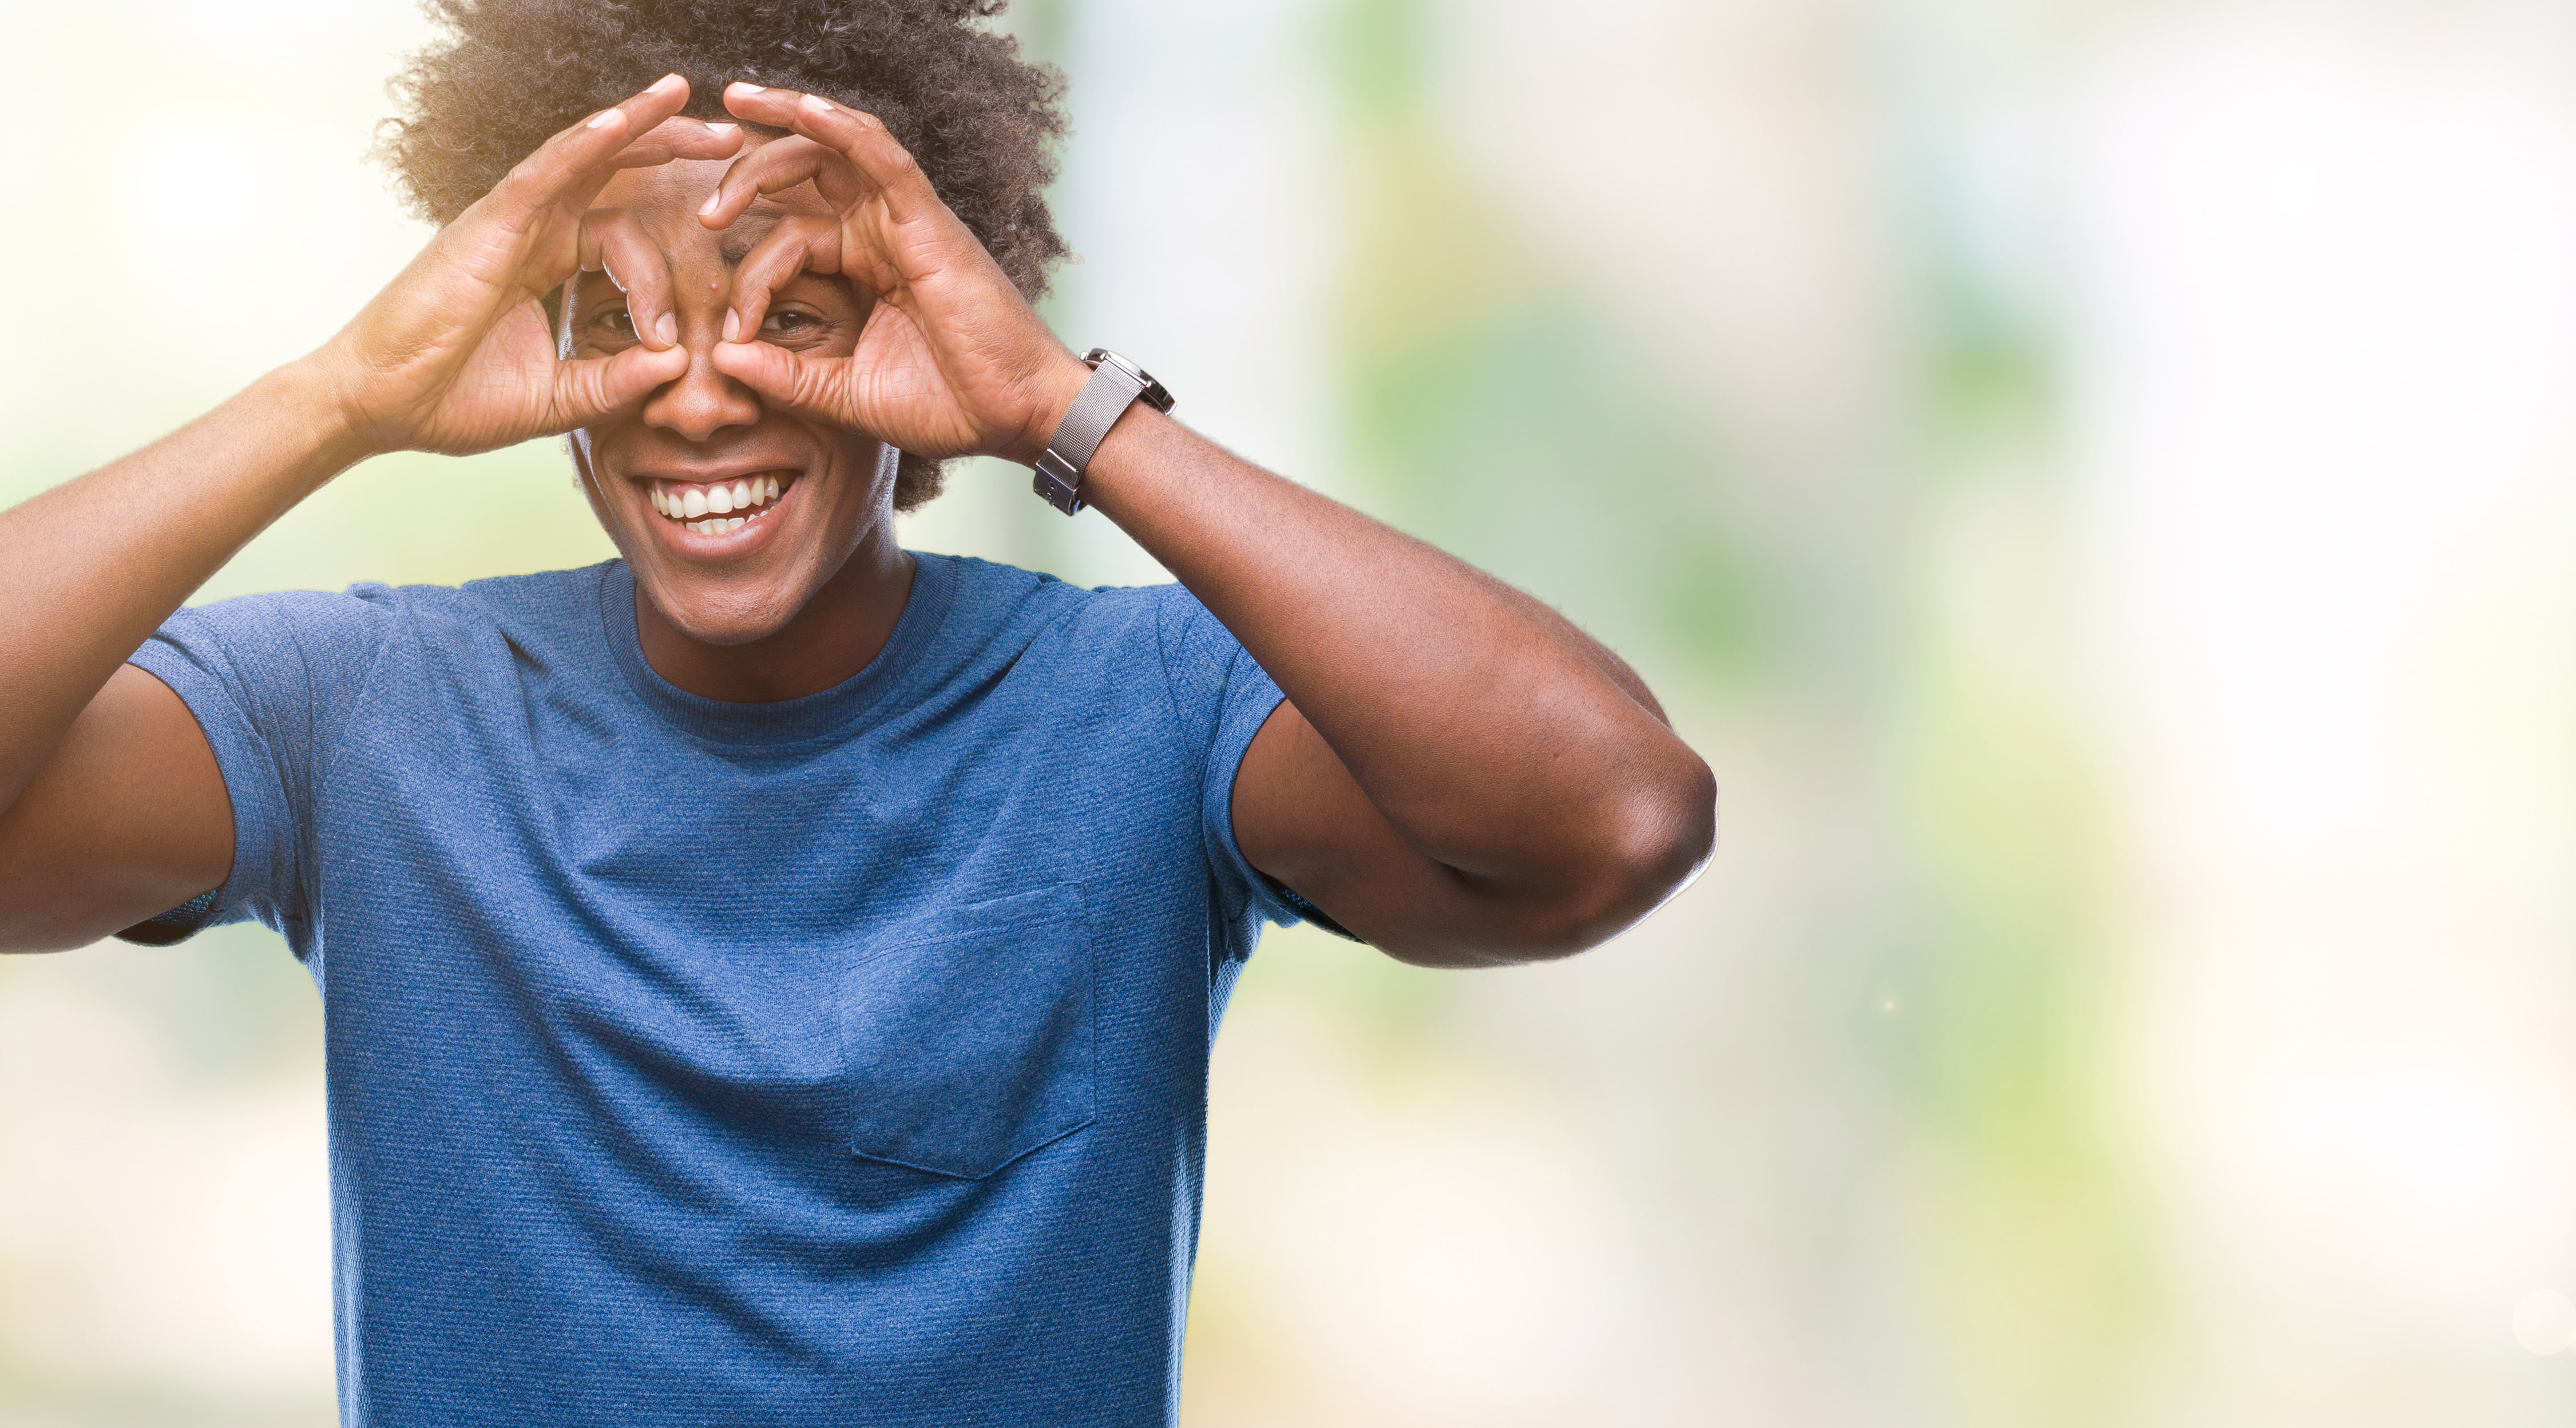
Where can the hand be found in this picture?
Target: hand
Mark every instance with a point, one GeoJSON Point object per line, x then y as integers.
{"type": "Point", "coordinates": [455, 356]}
{"type": "Point", "coordinates": [952, 361]}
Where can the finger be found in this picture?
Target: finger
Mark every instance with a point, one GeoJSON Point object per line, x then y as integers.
{"type": "Point", "coordinates": [860, 137]}
{"type": "Point", "coordinates": [582, 155]}
{"type": "Point", "coordinates": [680, 138]}
{"type": "Point", "coordinates": [789, 381]}
{"type": "Point", "coordinates": [595, 388]}
{"type": "Point", "coordinates": [802, 243]}
{"type": "Point", "coordinates": [614, 243]}
{"type": "Point", "coordinates": [779, 165]}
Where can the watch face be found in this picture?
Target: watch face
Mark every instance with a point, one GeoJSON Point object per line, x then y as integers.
{"type": "Point", "coordinates": [1154, 395]}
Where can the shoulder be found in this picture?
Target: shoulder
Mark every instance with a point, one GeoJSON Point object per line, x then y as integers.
{"type": "Point", "coordinates": [329, 638]}
{"type": "Point", "coordinates": [311, 630]}
{"type": "Point", "coordinates": [551, 610]}
{"type": "Point", "coordinates": [546, 597]}
{"type": "Point", "coordinates": [546, 600]}
{"type": "Point", "coordinates": [1015, 606]}
{"type": "Point", "coordinates": [1007, 607]}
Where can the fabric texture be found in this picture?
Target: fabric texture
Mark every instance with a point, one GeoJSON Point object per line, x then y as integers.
{"type": "Point", "coordinates": [835, 1061]}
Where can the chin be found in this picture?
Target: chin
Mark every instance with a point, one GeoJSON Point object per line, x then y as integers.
{"type": "Point", "coordinates": [723, 609]}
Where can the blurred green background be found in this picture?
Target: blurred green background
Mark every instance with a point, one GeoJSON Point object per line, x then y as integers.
{"type": "Point", "coordinates": [2093, 477]}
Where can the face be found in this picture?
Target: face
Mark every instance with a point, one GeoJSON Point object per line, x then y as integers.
{"type": "Point", "coordinates": [731, 515]}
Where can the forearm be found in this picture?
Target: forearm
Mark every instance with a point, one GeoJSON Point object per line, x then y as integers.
{"type": "Point", "coordinates": [1496, 738]}
{"type": "Point", "coordinates": [89, 569]}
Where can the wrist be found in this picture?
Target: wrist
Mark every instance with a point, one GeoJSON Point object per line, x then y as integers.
{"type": "Point", "coordinates": [309, 397]}
{"type": "Point", "coordinates": [1054, 391]}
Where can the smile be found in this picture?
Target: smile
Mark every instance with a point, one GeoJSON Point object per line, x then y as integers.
{"type": "Point", "coordinates": [713, 508]}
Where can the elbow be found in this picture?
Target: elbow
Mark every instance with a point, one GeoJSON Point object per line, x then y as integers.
{"type": "Point", "coordinates": [1654, 841]}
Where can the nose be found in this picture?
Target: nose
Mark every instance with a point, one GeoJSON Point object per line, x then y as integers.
{"type": "Point", "coordinates": [703, 401]}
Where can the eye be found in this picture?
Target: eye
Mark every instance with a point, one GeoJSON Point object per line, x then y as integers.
{"type": "Point", "coordinates": [788, 324]}
{"type": "Point", "coordinates": [617, 320]}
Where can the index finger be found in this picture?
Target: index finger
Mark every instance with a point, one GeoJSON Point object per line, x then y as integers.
{"type": "Point", "coordinates": [679, 138]}
{"type": "Point", "coordinates": [863, 139]}
{"type": "Point", "coordinates": [584, 153]}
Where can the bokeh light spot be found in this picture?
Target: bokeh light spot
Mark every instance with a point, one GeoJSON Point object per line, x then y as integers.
{"type": "Point", "coordinates": [2545, 1322]}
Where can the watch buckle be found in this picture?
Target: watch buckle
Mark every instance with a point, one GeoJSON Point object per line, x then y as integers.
{"type": "Point", "coordinates": [1058, 483]}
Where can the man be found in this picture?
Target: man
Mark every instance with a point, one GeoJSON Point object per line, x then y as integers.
{"type": "Point", "coordinates": [770, 977]}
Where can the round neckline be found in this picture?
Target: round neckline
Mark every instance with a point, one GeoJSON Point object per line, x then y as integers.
{"type": "Point", "coordinates": [843, 709]}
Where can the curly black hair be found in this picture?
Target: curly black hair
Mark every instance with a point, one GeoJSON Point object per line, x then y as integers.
{"type": "Point", "coordinates": [982, 121]}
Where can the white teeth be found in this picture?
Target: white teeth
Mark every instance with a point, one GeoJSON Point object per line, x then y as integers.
{"type": "Point", "coordinates": [655, 493]}
{"type": "Point", "coordinates": [686, 507]}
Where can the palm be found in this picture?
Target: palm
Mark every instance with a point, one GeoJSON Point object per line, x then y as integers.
{"type": "Point", "coordinates": [499, 394]}
{"type": "Point", "coordinates": [897, 390]}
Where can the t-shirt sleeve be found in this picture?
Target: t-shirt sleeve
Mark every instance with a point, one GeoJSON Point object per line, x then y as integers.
{"type": "Point", "coordinates": [1221, 692]}
{"type": "Point", "coordinates": [271, 680]}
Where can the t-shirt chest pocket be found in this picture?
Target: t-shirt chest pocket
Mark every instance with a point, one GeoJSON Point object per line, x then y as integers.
{"type": "Point", "coordinates": [969, 1036]}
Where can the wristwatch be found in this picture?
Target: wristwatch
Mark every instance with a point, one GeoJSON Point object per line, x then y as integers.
{"type": "Point", "coordinates": [1115, 383]}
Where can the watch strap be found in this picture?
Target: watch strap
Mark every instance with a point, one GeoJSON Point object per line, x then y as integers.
{"type": "Point", "coordinates": [1085, 424]}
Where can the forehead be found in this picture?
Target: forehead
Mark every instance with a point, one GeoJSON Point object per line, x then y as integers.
{"type": "Point", "coordinates": [664, 201]}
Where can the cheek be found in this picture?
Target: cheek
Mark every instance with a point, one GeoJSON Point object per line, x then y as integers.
{"type": "Point", "coordinates": [582, 445]}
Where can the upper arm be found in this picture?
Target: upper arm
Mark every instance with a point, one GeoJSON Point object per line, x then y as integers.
{"type": "Point", "coordinates": [1300, 818]}
{"type": "Point", "coordinates": [127, 820]}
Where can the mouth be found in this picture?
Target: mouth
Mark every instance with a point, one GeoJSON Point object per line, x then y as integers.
{"type": "Point", "coordinates": [721, 508]}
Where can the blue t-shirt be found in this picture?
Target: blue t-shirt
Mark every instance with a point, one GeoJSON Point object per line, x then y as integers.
{"type": "Point", "coordinates": [835, 1061]}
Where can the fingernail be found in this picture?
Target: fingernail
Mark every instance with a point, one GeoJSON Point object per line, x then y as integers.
{"type": "Point", "coordinates": [743, 87]}
{"type": "Point", "coordinates": [710, 205]}
{"type": "Point", "coordinates": [815, 102]}
{"type": "Point", "coordinates": [668, 329]}
{"type": "Point", "coordinates": [606, 117]}
{"type": "Point", "coordinates": [733, 324]}
{"type": "Point", "coordinates": [722, 128]}
{"type": "Point", "coordinates": [665, 82]}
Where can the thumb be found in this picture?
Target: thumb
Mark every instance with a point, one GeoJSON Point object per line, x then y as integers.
{"type": "Point", "coordinates": [593, 387]}
{"type": "Point", "coordinates": [790, 381]}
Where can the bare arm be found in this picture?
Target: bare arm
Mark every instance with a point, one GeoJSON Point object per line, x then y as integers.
{"type": "Point", "coordinates": [1460, 776]}
{"type": "Point", "coordinates": [114, 810]}
{"type": "Point", "coordinates": [111, 807]}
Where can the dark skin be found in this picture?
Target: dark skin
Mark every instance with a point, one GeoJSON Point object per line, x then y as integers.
{"type": "Point", "coordinates": [1459, 775]}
